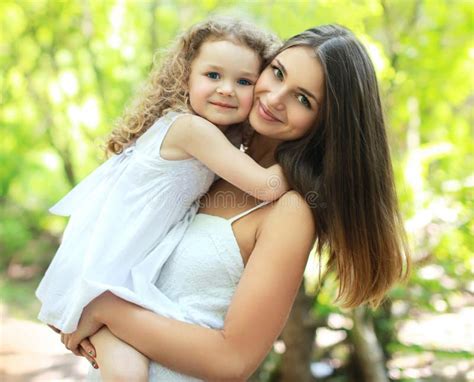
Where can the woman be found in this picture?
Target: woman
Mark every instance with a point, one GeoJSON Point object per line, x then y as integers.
{"type": "Point", "coordinates": [317, 112]}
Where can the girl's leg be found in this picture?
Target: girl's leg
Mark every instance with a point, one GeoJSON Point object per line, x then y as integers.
{"type": "Point", "coordinates": [117, 360]}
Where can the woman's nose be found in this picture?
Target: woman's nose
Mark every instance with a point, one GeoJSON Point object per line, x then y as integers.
{"type": "Point", "coordinates": [276, 98]}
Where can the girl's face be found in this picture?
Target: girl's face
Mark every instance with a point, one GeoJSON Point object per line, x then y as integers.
{"type": "Point", "coordinates": [288, 95]}
{"type": "Point", "coordinates": [222, 80]}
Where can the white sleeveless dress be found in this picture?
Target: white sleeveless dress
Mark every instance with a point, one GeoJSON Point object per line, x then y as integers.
{"type": "Point", "coordinates": [200, 276]}
{"type": "Point", "coordinates": [119, 216]}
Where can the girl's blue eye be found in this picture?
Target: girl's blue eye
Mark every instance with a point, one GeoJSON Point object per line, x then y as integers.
{"type": "Point", "coordinates": [244, 82]}
{"type": "Point", "coordinates": [304, 100]}
{"type": "Point", "coordinates": [277, 72]}
{"type": "Point", "coordinates": [213, 75]}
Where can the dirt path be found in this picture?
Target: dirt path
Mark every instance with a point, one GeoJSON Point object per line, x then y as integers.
{"type": "Point", "coordinates": [32, 352]}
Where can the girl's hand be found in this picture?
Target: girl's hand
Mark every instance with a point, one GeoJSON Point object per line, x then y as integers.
{"type": "Point", "coordinates": [277, 181]}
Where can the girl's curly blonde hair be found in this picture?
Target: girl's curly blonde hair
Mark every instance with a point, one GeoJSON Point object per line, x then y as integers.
{"type": "Point", "coordinates": [166, 87]}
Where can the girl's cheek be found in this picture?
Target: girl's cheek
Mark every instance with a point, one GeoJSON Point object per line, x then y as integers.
{"type": "Point", "coordinates": [247, 101]}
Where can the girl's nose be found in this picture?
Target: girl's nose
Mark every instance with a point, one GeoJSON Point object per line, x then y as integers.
{"type": "Point", "coordinates": [225, 89]}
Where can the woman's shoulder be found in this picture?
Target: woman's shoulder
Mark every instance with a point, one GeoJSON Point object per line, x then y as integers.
{"type": "Point", "coordinates": [287, 232]}
{"type": "Point", "coordinates": [292, 211]}
{"type": "Point", "coordinates": [292, 202]}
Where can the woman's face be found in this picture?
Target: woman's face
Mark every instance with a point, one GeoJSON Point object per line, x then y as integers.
{"type": "Point", "coordinates": [288, 95]}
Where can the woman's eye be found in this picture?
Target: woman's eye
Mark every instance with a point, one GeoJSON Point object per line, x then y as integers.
{"type": "Point", "coordinates": [213, 75]}
{"type": "Point", "coordinates": [304, 100]}
{"type": "Point", "coordinates": [244, 82]}
{"type": "Point", "coordinates": [277, 72]}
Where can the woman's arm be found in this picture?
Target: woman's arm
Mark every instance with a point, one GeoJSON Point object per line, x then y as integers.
{"type": "Point", "coordinates": [256, 316]}
{"type": "Point", "coordinates": [205, 142]}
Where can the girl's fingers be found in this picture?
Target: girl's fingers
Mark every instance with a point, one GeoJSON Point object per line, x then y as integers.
{"type": "Point", "coordinates": [92, 361]}
{"type": "Point", "coordinates": [88, 347]}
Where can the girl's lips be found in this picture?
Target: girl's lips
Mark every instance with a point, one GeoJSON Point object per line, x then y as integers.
{"type": "Point", "coordinates": [265, 113]}
{"type": "Point", "coordinates": [225, 105]}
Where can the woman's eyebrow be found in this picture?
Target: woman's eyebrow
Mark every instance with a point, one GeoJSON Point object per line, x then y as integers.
{"type": "Point", "coordinates": [309, 94]}
{"type": "Point", "coordinates": [282, 67]}
{"type": "Point", "coordinates": [302, 90]}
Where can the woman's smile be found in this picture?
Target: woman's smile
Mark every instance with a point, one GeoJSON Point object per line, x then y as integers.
{"type": "Point", "coordinates": [286, 98]}
{"type": "Point", "coordinates": [265, 112]}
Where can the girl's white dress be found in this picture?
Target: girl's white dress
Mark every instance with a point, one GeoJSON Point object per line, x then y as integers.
{"type": "Point", "coordinates": [200, 276]}
{"type": "Point", "coordinates": [119, 216]}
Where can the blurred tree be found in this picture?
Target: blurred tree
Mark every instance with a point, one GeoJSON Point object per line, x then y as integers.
{"type": "Point", "coordinates": [69, 69]}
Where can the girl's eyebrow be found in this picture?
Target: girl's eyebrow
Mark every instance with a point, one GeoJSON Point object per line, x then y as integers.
{"type": "Point", "coordinates": [302, 90]}
{"type": "Point", "coordinates": [213, 66]}
{"type": "Point", "coordinates": [250, 74]}
{"type": "Point", "coordinates": [244, 72]}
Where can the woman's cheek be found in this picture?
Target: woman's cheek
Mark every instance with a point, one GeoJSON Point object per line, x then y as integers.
{"type": "Point", "coordinates": [305, 123]}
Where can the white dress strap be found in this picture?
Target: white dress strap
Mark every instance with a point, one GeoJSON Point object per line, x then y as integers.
{"type": "Point", "coordinates": [242, 214]}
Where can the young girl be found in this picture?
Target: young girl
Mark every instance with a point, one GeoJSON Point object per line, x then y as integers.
{"type": "Point", "coordinates": [137, 205]}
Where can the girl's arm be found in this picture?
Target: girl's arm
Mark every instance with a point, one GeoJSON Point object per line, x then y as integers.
{"type": "Point", "coordinates": [255, 318]}
{"type": "Point", "coordinates": [205, 142]}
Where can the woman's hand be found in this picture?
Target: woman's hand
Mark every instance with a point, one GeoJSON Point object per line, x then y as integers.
{"type": "Point", "coordinates": [88, 325]}
{"type": "Point", "coordinates": [86, 349]}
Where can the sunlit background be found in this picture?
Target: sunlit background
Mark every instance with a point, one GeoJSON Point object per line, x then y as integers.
{"type": "Point", "coordinates": [68, 69]}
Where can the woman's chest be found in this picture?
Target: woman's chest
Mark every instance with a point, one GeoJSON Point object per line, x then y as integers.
{"type": "Point", "coordinates": [245, 232]}
{"type": "Point", "coordinates": [227, 202]}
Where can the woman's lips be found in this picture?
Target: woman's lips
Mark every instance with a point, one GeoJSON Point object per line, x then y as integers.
{"type": "Point", "coordinates": [265, 113]}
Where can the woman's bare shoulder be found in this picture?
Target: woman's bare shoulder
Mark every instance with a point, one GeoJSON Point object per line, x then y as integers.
{"type": "Point", "coordinates": [291, 210]}
{"type": "Point", "coordinates": [292, 203]}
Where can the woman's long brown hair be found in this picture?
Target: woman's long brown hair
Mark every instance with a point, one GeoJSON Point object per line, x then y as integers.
{"type": "Point", "coordinates": [346, 159]}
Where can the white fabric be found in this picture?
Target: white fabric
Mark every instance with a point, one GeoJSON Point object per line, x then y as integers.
{"type": "Point", "coordinates": [201, 276]}
{"type": "Point", "coordinates": [119, 216]}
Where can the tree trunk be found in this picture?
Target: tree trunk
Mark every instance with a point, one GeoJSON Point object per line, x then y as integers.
{"type": "Point", "coordinates": [367, 350]}
{"type": "Point", "coordinates": [298, 336]}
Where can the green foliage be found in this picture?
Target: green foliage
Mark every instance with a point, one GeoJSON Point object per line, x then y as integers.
{"type": "Point", "coordinates": [70, 68]}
